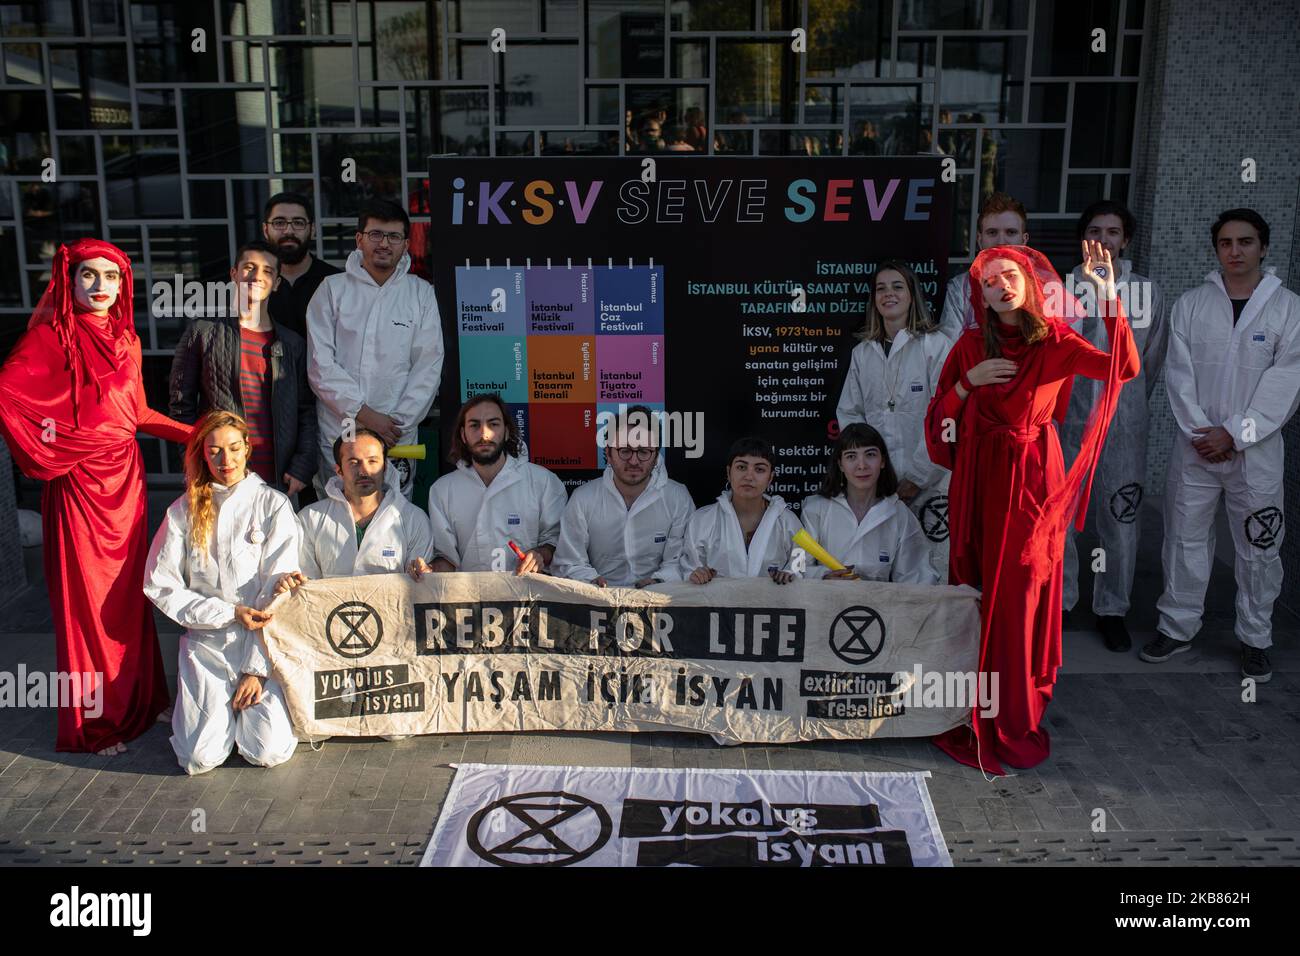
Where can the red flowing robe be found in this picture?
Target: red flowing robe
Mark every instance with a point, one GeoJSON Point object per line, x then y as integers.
{"type": "Point", "coordinates": [94, 518]}
{"type": "Point", "coordinates": [1006, 463]}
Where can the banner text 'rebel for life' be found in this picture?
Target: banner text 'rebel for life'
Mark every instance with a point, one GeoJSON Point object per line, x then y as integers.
{"type": "Point", "coordinates": [745, 660]}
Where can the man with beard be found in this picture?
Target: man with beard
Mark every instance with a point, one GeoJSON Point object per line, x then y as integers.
{"type": "Point", "coordinates": [625, 529]}
{"type": "Point", "coordinates": [493, 497]}
{"type": "Point", "coordinates": [289, 227]}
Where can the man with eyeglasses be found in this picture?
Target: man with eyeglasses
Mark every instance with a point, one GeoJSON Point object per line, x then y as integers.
{"type": "Point", "coordinates": [625, 529]}
{"type": "Point", "coordinates": [374, 342]}
{"type": "Point", "coordinates": [288, 225]}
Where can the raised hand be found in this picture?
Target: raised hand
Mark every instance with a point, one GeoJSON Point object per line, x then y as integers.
{"type": "Point", "coordinates": [1098, 269]}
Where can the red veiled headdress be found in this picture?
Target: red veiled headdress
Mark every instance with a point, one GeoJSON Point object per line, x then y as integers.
{"type": "Point", "coordinates": [57, 307]}
{"type": "Point", "coordinates": [1054, 303]}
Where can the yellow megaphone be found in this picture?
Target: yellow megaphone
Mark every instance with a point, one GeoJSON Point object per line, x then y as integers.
{"type": "Point", "coordinates": [407, 451]}
{"type": "Point", "coordinates": [803, 539]}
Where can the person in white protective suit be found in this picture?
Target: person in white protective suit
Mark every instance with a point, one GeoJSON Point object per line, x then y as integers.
{"type": "Point", "coordinates": [374, 343]}
{"type": "Point", "coordinates": [625, 528]}
{"type": "Point", "coordinates": [1002, 221]}
{"type": "Point", "coordinates": [1233, 375]}
{"type": "Point", "coordinates": [1115, 506]}
{"type": "Point", "coordinates": [892, 377]}
{"type": "Point", "coordinates": [857, 518]}
{"type": "Point", "coordinates": [222, 549]}
{"type": "Point", "coordinates": [746, 533]}
{"type": "Point", "coordinates": [493, 498]}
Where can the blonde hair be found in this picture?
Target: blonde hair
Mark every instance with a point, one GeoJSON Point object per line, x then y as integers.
{"type": "Point", "coordinates": [919, 319]}
{"type": "Point", "coordinates": [198, 478]}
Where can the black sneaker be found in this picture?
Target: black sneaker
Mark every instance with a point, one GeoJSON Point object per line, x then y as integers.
{"type": "Point", "coordinates": [1163, 648]}
{"type": "Point", "coordinates": [1255, 664]}
{"type": "Point", "coordinates": [1114, 633]}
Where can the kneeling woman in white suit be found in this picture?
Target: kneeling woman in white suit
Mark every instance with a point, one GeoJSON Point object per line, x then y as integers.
{"type": "Point", "coordinates": [221, 550]}
{"type": "Point", "coordinates": [746, 532]}
{"type": "Point", "coordinates": [857, 517]}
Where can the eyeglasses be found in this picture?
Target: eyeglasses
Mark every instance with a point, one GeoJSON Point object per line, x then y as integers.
{"type": "Point", "coordinates": [642, 454]}
{"type": "Point", "coordinates": [377, 237]}
{"type": "Point", "coordinates": [281, 224]}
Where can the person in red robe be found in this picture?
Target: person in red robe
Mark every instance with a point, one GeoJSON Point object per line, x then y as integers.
{"type": "Point", "coordinates": [71, 401]}
{"type": "Point", "coordinates": [1011, 500]}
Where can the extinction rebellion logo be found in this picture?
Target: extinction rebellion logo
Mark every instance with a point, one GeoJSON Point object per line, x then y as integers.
{"type": "Point", "coordinates": [1263, 527]}
{"type": "Point", "coordinates": [544, 828]}
{"type": "Point", "coordinates": [934, 518]}
{"type": "Point", "coordinates": [1126, 502]}
{"type": "Point", "coordinates": [354, 629]}
{"type": "Point", "coordinates": [857, 635]}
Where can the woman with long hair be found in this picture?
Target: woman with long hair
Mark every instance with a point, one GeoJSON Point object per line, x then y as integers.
{"type": "Point", "coordinates": [71, 402]}
{"type": "Point", "coordinates": [223, 549]}
{"type": "Point", "coordinates": [857, 517]}
{"type": "Point", "coordinates": [1007, 377]}
{"type": "Point", "coordinates": [892, 377]}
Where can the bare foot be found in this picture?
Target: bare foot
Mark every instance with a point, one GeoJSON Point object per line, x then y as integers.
{"type": "Point", "coordinates": [166, 716]}
{"type": "Point", "coordinates": [112, 751]}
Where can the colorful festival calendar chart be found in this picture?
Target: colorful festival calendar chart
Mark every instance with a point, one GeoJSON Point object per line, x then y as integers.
{"type": "Point", "coordinates": [562, 343]}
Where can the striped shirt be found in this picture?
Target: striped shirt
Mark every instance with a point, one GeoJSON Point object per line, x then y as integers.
{"type": "Point", "coordinates": [255, 386]}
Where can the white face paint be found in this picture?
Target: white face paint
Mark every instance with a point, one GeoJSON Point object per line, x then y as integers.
{"type": "Point", "coordinates": [1004, 285]}
{"type": "Point", "coordinates": [96, 284]}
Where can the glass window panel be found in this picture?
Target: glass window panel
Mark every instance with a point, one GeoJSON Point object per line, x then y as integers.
{"type": "Point", "coordinates": [378, 163]}
{"type": "Point", "coordinates": [690, 59]}
{"type": "Point", "coordinates": [1135, 13]}
{"type": "Point", "coordinates": [470, 61]}
{"type": "Point", "coordinates": [417, 195]}
{"type": "Point", "coordinates": [406, 39]}
{"type": "Point", "coordinates": [286, 17]}
{"type": "Point", "coordinates": [1109, 143]}
{"type": "Point", "coordinates": [163, 35]}
{"type": "Point", "coordinates": [915, 57]}
{"type": "Point", "coordinates": [800, 142]}
{"type": "Point", "coordinates": [77, 156]}
{"type": "Point", "coordinates": [560, 16]}
{"type": "Point", "coordinates": [380, 107]}
{"type": "Point", "coordinates": [23, 64]}
{"type": "Point", "coordinates": [445, 121]}
{"type": "Point", "coordinates": [737, 142]}
{"type": "Point", "coordinates": [11, 288]}
{"type": "Point", "coordinates": [90, 88]}
{"type": "Point", "coordinates": [959, 144]}
{"type": "Point", "coordinates": [314, 85]}
{"type": "Point", "coordinates": [244, 62]}
{"type": "Point", "coordinates": [207, 199]}
{"type": "Point", "coordinates": [1119, 183]}
{"type": "Point", "coordinates": [656, 109]}
{"type": "Point", "coordinates": [1058, 239]}
{"type": "Point", "coordinates": [225, 131]}
{"type": "Point", "coordinates": [1081, 189]}
{"type": "Point", "coordinates": [1063, 38]}
{"type": "Point", "coordinates": [541, 84]}
{"type": "Point", "coordinates": [703, 15]}
{"type": "Point", "coordinates": [49, 18]}
{"type": "Point", "coordinates": [195, 252]}
{"type": "Point", "coordinates": [56, 212]}
{"type": "Point", "coordinates": [24, 132]}
{"type": "Point", "coordinates": [602, 105]}
{"type": "Point", "coordinates": [142, 177]}
{"type": "Point", "coordinates": [291, 152]}
{"type": "Point", "coordinates": [625, 39]}
{"type": "Point", "coordinates": [1048, 102]}
{"type": "Point", "coordinates": [515, 144]}
{"type": "Point", "coordinates": [338, 240]}
{"type": "Point", "coordinates": [478, 16]}
{"type": "Point", "coordinates": [1010, 15]}
{"type": "Point", "coordinates": [942, 15]}
{"type": "Point", "coordinates": [888, 121]}
{"type": "Point", "coordinates": [1025, 163]}
{"type": "Point", "coordinates": [156, 108]}
{"type": "Point", "coordinates": [847, 39]}
{"type": "Point", "coordinates": [7, 187]}
{"type": "Point", "coordinates": [963, 198]}
{"type": "Point", "coordinates": [756, 79]}
{"type": "Point", "coordinates": [248, 198]}
{"type": "Point", "coordinates": [592, 142]}
{"type": "Point", "coordinates": [106, 18]}
{"type": "Point", "coordinates": [1131, 64]}
{"type": "Point", "coordinates": [983, 76]}
{"type": "Point", "coordinates": [823, 104]}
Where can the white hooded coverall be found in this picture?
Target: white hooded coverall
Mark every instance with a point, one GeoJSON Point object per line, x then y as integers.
{"type": "Point", "coordinates": [397, 532]}
{"type": "Point", "coordinates": [956, 306]}
{"type": "Point", "coordinates": [1246, 379]}
{"type": "Point", "coordinates": [714, 540]}
{"type": "Point", "coordinates": [473, 522]}
{"type": "Point", "coordinates": [376, 345]}
{"type": "Point", "coordinates": [601, 537]}
{"type": "Point", "coordinates": [886, 545]}
{"type": "Point", "coordinates": [892, 393]}
{"type": "Point", "coordinates": [1119, 487]}
{"type": "Point", "coordinates": [254, 541]}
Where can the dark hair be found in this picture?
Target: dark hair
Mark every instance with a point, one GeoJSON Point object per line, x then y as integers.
{"type": "Point", "coordinates": [643, 410]}
{"type": "Point", "coordinates": [858, 435]}
{"type": "Point", "coordinates": [459, 450]}
{"type": "Point", "coordinates": [1240, 215]}
{"type": "Point", "coordinates": [1108, 207]}
{"type": "Point", "coordinates": [1001, 202]}
{"type": "Point", "coordinates": [383, 210]}
{"type": "Point", "coordinates": [752, 446]}
{"type": "Point", "coordinates": [294, 199]}
{"type": "Point", "coordinates": [338, 444]}
{"type": "Point", "coordinates": [257, 245]}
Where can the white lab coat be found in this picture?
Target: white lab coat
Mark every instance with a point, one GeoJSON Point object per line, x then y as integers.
{"type": "Point", "coordinates": [714, 540]}
{"type": "Point", "coordinates": [398, 531]}
{"type": "Point", "coordinates": [886, 545]}
{"type": "Point", "coordinates": [1246, 379]}
{"type": "Point", "coordinates": [254, 541]}
{"type": "Point", "coordinates": [1119, 486]}
{"type": "Point", "coordinates": [373, 345]}
{"type": "Point", "coordinates": [600, 536]}
{"type": "Point", "coordinates": [956, 306]}
{"type": "Point", "coordinates": [472, 521]}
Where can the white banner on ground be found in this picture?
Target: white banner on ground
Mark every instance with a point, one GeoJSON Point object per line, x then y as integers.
{"type": "Point", "coordinates": [624, 816]}
{"type": "Point", "coordinates": [745, 660]}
